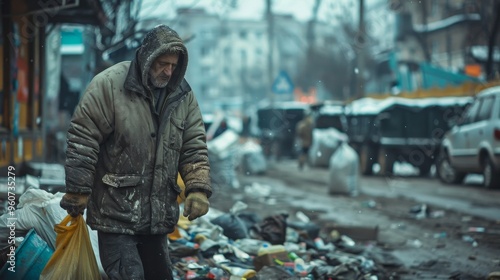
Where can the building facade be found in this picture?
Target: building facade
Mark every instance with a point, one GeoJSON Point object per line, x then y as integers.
{"type": "Point", "coordinates": [231, 64]}
{"type": "Point", "coordinates": [440, 43]}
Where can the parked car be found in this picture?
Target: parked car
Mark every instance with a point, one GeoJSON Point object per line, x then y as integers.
{"type": "Point", "coordinates": [473, 144]}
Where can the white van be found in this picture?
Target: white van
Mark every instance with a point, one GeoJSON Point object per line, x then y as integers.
{"type": "Point", "coordinates": [473, 144]}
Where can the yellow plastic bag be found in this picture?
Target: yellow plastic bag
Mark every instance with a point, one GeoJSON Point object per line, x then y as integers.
{"type": "Point", "coordinates": [183, 222]}
{"type": "Point", "coordinates": [74, 257]}
{"type": "Point", "coordinates": [182, 196]}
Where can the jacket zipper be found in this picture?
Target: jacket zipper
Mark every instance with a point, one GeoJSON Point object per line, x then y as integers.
{"type": "Point", "coordinates": [164, 116]}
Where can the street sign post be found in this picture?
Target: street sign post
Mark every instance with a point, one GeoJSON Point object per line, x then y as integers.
{"type": "Point", "coordinates": [283, 84]}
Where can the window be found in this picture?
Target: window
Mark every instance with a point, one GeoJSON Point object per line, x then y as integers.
{"type": "Point", "coordinates": [471, 114]}
{"type": "Point", "coordinates": [224, 32]}
{"type": "Point", "coordinates": [205, 50]}
{"type": "Point", "coordinates": [243, 34]}
{"type": "Point", "coordinates": [435, 47]}
{"type": "Point", "coordinates": [204, 90]}
{"type": "Point", "coordinates": [485, 110]}
{"type": "Point", "coordinates": [243, 55]}
{"type": "Point", "coordinates": [205, 70]}
{"type": "Point", "coordinates": [434, 8]}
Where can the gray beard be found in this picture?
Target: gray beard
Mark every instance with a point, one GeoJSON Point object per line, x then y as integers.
{"type": "Point", "coordinates": [155, 82]}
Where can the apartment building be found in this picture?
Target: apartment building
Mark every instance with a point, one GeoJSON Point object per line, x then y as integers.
{"type": "Point", "coordinates": [229, 64]}
{"type": "Point", "coordinates": [448, 37]}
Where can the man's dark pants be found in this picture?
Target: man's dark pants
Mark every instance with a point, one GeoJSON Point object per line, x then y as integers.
{"type": "Point", "coordinates": [135, 256]}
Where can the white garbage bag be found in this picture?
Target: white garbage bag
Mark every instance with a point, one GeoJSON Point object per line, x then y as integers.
{"type": "Point", "coordinates": [344, 171]}
{"type": "Point", "coordinates": [324, 144]}
{"type": "Point", "coordinates": [40, 210]}
{"type": "Point", "coordinates": [37, 209]}
{"type": "Point", "coordinates": [252, 159]}
{"type": "Point", "coordinates": [224, 145]}
{"type": "Point", "coordinates": [221, 154]}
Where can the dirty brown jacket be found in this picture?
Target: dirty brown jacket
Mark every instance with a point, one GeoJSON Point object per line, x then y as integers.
{"type": "Point", "coordinates": [304, 131]}
{"type": "Point", "coordinates": [126, 155]}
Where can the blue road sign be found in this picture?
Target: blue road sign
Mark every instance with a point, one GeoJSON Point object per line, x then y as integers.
{"type": "Point", "coordinates": [283, 84]}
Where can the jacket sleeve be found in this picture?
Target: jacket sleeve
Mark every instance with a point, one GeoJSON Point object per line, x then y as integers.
{"type": "Point", "coordinates": [194, 166]}
{"type": "Point", "coordinates": [90, 125]}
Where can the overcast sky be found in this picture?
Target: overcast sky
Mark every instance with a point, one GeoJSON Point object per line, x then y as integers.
{"type": "Point", "coordinates": [251, 9]}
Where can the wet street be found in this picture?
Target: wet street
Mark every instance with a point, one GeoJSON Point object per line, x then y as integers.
{"type": "Point", "coordinates": [434, 231]}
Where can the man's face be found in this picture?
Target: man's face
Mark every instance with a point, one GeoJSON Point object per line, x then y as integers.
{"type": "Point", "coordinates": [162, 69]}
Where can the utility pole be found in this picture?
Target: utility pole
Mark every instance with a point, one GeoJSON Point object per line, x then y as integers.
{"type": "Point", "coordinates": [362, 41]}
{"type": "Point", "coordinates": [270, 40]}
{"type": "Point", "coordinates": [491, 42]}
{"type": "Point", "coordinates": [448, 36]}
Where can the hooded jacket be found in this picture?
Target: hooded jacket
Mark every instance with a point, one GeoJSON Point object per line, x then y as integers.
{"type": "Point", "coordinates": [126, 155]}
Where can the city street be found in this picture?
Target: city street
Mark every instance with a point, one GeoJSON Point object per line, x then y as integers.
{"type": "Point", "coordinates": [447, 243]}
{"type": "Point", "coordinates": [127, 106]}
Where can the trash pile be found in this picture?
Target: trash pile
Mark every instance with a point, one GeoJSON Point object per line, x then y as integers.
{"type": "Point", "coordinates": [242, 245]}
{"type": "Point", "coordinates": [221, 153]}
{"type": "Point", "coordinates": [219, 245]}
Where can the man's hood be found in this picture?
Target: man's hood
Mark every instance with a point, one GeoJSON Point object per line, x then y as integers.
{"type": "Point", "coordinates": [158, 41]}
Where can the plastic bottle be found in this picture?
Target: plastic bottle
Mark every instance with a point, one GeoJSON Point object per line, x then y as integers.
{"type": "Point", "coordinates": [319, 242]}
{"type": "Point", "coordinates": [292, 256]}
{"type": "Point", "coordinates": [346, 240]}
{"type": "Point", "coordinates": [299, 266]}
{"type": "Point", "coordinates": [188, 243]}
{"type": "Point", "coordinates": [303, 246]}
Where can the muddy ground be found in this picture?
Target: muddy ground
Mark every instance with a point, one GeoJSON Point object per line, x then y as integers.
{"type": "Point", "coordinates": [439, 245]}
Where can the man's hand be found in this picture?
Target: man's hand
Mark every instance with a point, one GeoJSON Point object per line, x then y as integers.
{"type": "Point", "coordinates": [196, 205]}
{"type": "Point", "coordinates": [74, 203]}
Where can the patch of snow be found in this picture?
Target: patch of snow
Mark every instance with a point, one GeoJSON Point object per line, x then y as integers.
{"type": "Point", "coordinates": [445, 23]}
{"type": "Point", "coordinates": [372, 106]}
{"type": "Point", "coordinates": [481, 53]}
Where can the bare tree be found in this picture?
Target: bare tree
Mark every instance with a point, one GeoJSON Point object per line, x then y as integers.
{"type": "Point", "coordinates": [334, 65]}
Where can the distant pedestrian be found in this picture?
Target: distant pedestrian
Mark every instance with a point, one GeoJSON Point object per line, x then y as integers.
{"type": "Point", "coordinates": [136, 128]}
{"type": "Point", "coordinates": [245, 126]}
{"type": "Point", "coordinates": [304, 133]}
